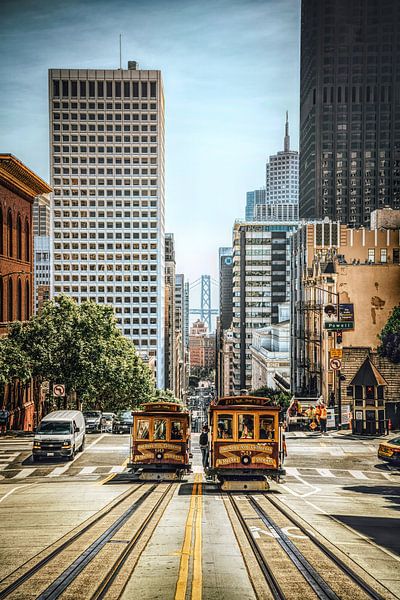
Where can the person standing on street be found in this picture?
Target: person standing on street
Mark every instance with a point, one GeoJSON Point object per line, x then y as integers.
{"type": "Point", "coordinates": [203, 442]}
{"type": "Point", "coordinates": [323, 415]}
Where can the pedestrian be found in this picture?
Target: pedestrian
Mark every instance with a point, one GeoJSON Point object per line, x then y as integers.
{"type": "Point", "coordinates": [318, 413]}
{"type": "Point", "coordinates": [203, 442]}
{"type": "Point", "coordinates": [4, 415]}
{"type": "Point", "coordinates": [323, 415]}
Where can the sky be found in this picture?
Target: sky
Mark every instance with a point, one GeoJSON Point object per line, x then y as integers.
{"type": "Point", "coordinates": [230, 70]}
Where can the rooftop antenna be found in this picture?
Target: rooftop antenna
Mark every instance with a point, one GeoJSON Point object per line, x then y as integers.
{"type": "Point", "coordinates": [120, 50]}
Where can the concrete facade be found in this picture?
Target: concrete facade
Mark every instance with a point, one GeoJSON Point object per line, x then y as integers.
{"type": "Point", "coordinates": [107, 170]}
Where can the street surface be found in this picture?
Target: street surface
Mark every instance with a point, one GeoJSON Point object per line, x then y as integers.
{"type": "Point", "coordinates": [194, 547]}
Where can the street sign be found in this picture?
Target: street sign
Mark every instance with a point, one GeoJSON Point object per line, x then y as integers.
{"type": "Point", "coordinates": [58, 389]}
{"type": "Point", "coordinates": [335, 353]}
{"type": "Point", "coordinates": [338, 325]}
{"type": "Point", "coordinates": [335, 364]}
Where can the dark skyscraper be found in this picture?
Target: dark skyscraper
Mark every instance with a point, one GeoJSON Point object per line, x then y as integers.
{"type": "Point", "coordinates": [349, 108]}
{"type": "Point", "coordinates": [225, 287]}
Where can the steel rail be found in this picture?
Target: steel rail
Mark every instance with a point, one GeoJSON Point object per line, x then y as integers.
{"type": "Point", "coordinates": [109, 579]}
{"type": "Point", "coordinates": [313, 578]}
{"type": "Point", "coordinates": [44, 561]}
{"type": "Point", "coordinates": [269, 576]}
{"type": "Point", "coordinates": [335, 559]}
{"type": "Point", "coordinates": [60, 584]}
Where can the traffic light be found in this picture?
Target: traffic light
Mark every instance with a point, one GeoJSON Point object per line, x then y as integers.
{"type": "Point", "coordinates": [339, 337]}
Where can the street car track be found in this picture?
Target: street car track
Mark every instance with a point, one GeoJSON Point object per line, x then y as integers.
{"type": "Point", "coordinates": [69, 574]}
{"type": "Point", "coordinates": [320, 588]}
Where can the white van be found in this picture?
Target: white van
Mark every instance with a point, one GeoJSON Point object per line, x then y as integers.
{"type": "Point", "coordinates": [60, 433]}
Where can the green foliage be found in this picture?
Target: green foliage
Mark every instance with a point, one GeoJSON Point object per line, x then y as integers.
{"type": "Point", "coordinates": [81, 347]}
{"type": "Point", "coordinates": [390, 337]}
{"type": "Point", "coordinates": [277, 396]}
{"type": "Point", "coordinates": [165, 396]}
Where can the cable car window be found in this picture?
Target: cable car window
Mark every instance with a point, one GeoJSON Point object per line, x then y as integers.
{"type": "Point", "coordinates": [267, 428]}
{"type": "Point", "coordinates": [176, 430]}
{"type": "Point", "coordinates": [143, 428]}
{"type": "Point", "coordinates": [246, 427]}
{"type": "Point", "coordinates": [224, 431]}
{"type": "Point", "coordinates": [160, 429]}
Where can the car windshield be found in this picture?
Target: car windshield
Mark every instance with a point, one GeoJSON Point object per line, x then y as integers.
{"type": "Point", "coordinates": [126, 415]}
{"type": "Point", "coordinates": [395, 441]}
{"type": "Point", "coordinates": [55, 427]}
{"type": "Point", "coordinates": [91, 414]}
{"type": "Point", "coordinates": [108, 415]}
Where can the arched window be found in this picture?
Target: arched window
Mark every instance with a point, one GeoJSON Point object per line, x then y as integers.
{"type": "Point", "coordinates": [1, 301]}
{"type": "Point", "coordinates": [27, 300]}
{"type": "Point", "coordinates": [1, 230]}
{"type": "Point", "coordinates": [9, 234]}
{"type": "Point", "coordinates": [10, 300]}
{"type": "Point", "coordinates": [19, 237]}
{"type": "Point", "coordinates": [27, 242]}
{"type": "Point", "coordinates": [19, 300]}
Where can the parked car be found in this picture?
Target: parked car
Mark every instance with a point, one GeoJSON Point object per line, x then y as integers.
{"type": "Point", "coordinates": [123, 422]}
{"type": "Point", "coordinates": [92, 420]}
{"type": "Point", "coordinates": [61, 433]}
{"type": "Point", "coordinates": [390, 451]}
{"type": "Point", "coordinates": [107, 421]}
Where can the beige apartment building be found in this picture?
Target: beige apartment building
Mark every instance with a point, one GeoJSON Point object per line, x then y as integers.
{"type": "Point", "coordinates": [346, 284]}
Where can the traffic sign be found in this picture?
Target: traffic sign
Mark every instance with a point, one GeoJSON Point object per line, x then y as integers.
{"type": "Point", "coordinates": [335, 353]}
{"type": "Point", "coordinates": [58, 389]}
{"type": "Point", "coordinates": [338, 325]}
{"type": "Point", "coordinates": [335, 364]}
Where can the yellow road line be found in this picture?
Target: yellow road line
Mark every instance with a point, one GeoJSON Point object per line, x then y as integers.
{"type": "Point", "coordinates": [197, 581]}
{"type": "Point", "coordinates": [181, 585]}
{"type": "Point", "coordinates": [112, 475]}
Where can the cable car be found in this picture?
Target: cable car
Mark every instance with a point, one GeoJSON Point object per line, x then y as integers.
{"type": "Point", "coordinates": [160, 441]}
{"type": "Point", "coordinates": [247, 444]}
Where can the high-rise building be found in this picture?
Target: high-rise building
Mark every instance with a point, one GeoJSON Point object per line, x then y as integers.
{"type": "Point", "coordinates": [107, 170]}
{"type": "Point", "coordinates": [261, 282]}
{"type": "Point", "coordinates": [282, 175]}
{"type": "Point", "coordinates": [42, 250]}
{"type": "Point", "coordinates": [254, 199]}
{"type": "Point", "coordinates": [349, 109]}
{"type": "Point", "coordinates": [170, 314]}
{"type": "Point", "coordinates": [225, 287]}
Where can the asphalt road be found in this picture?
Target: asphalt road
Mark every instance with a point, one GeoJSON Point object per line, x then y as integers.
{"type": "Point", "coordinates": [335, 483]}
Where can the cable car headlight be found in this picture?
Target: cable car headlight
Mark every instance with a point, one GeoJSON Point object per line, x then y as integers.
{"type": "Point", "coordinates": [159, 455]}
{"type": "Point", "coordinates": [246, 459]}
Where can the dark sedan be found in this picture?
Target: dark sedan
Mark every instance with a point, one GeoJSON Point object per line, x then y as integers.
{"type": "Point", "coordinates": [123, 422]}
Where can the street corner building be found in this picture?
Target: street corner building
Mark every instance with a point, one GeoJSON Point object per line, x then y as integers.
{"type": "Point", "coordinates": [19, 187]}
{"type": "Point", "coordinates": [345, 285]}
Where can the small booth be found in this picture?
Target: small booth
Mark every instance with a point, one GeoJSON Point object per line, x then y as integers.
{"type": "Point", "coordinates": [368, 391]}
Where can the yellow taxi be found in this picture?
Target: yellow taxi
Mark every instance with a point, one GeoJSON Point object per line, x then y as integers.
{"type": "Point", "coordinates": [390, 451]}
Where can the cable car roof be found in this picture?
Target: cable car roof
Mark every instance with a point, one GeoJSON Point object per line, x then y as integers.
{"type": "Point", "coordinates": [248, 401]}
{"type": "Point", "coordinates": [160, 406]}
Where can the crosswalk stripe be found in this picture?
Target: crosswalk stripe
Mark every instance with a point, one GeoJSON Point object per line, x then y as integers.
{"type": "Point", "coordinates": [87, 470]}
{"type": "Point", "coordinates": [358, 475]}
{"type": "Point", "coordinates": [117, 469]}
{"type": "Point", "coordinates": [24, 473]}
{"type": "Point", "coordinates": [325, 473]}
{"type": "Point", "coordinates": [58, 471]}
{"type": "Point", "coordinates": [292, 471]}
{"type": "Point", "coordinates": [3, 466]}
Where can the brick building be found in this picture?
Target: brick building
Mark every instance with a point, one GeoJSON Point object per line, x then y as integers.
{"type": "Point", "coordinates": [18, 188]}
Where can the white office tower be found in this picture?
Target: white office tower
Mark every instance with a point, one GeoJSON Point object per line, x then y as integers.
{"type": "Point", "coordinates": [107, 171]}
{"type": "Point", "coordinates": [282, 184]}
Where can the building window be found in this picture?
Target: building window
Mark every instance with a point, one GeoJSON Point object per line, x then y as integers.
{"type": "Point", "coordinates": [371, 254]}
{"type": "Point", "coordinates": [19, 238]}
{"type": "Point", "coordinates": [9, 234]}
{"type": "Point", "coordinates": [10, 300]}
{"type": "Point", "coordinates": [27, 242]}
{"type": "Point", "coordinates": [27, 300]}
{"type": "Point", "coordinates": [383, 255]}
{"type": "Point", "coordinates": [19, 301]}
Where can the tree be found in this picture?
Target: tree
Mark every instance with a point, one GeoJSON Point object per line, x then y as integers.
{"type": "Point", "coordinates": [390, 337]}
{"type": "Point", "coordinates": [82, 347]}
{"type": "Point", "coordinates": [277, 396]}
